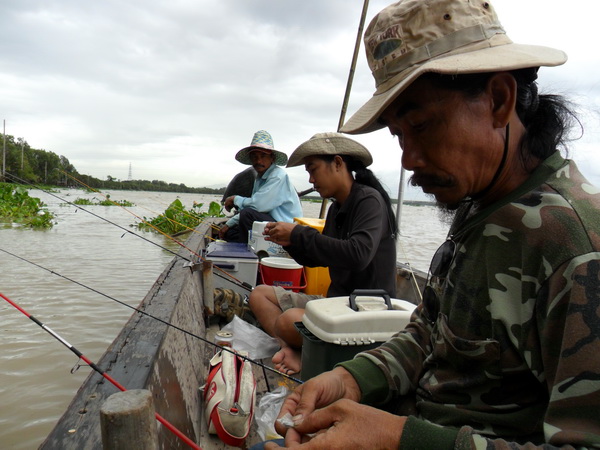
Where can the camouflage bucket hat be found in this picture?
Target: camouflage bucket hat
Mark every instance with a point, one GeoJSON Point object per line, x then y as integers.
{"type": "Point", "coordinates": [412, 37]}
{"type": "Point", "coordinates": [263, 142]}
{"type": "Point", "coordinates": [330, 144]}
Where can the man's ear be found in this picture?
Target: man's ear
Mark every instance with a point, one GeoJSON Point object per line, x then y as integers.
{"type": "Point", "coordinates": [502, 88]}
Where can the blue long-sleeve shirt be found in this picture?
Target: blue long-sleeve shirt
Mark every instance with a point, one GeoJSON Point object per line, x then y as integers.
{"type": "Point", "coordinates": [274, 194]}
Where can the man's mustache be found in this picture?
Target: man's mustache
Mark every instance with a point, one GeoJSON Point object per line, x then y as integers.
{"type": "Point", "coordinates": [423, 179]}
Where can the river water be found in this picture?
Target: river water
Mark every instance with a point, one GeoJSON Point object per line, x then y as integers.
{"type": "Point", "coordinates": [45, 278]}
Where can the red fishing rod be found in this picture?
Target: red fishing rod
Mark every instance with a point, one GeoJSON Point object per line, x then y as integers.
{"type": "Point", "coordinates": [80, 355]}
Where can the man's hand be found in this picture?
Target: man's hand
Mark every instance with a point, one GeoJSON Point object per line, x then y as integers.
{"type": "Point", "coordinates": [345, 424]}
{"type": "Point", "coordinates": [222, 231]}
{"type": "Point", "coordinates": [229, 203]}
{"type": "Point", "coordinates": [279, 232]}
{"type": "Point", "coordinates": [326, 415]}
{"type": "Point", "coordinates": [318, 392]}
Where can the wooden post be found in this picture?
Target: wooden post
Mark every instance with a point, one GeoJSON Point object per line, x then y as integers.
{"type": "Point", "coordinates": [128, 421]}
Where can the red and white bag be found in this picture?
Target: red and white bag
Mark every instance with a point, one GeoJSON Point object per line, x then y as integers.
{"type": "Point", "coordinates": [229, 397]}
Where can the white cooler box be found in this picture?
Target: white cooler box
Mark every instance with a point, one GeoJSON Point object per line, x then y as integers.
{"type": "Point", "coordinates": [335, 329]}
{"type": "Point", "coordinates": [236, 259]}
{"type": "Point", "coordinates": [258, 244]}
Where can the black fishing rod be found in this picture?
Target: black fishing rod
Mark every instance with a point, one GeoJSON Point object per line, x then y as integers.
{"type": "Point", "coordinates": [107, 197]}
{"type": "Point", "coordinates": [238, 282]}
{"type": "Point", "coordinates": [189, 333]}
{"type": "Point", "coordinates": [20, 180]}
{"type": "Point", "coordinates": [223, 273]}
{"type": "Point", "coordinates": [80, 355]}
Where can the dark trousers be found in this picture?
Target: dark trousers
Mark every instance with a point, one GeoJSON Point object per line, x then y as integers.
{"type": "Point", "coordinates": [247, 217]}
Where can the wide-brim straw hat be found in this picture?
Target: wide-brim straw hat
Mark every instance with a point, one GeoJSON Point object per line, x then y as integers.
{"type": "Point", "coordinates": [261, 141]}
{"type": "Point", "coordinates": [330, 144]}
{"type": "Point", "coordinates": [412, 37]}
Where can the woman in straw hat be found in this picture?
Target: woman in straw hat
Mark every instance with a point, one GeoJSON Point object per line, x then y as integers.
{"type": "Point", "coordinates": [504, 350]}
{"type": "Point", "coordinates": [357, 242]}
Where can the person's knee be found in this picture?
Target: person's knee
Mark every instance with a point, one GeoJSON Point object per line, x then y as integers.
{"type": "Point", "coordinates": [259, 293]}
{"type": "Point", "coordinates": [260, 296]}
{"type": "Point", "coordinates": [247, 217]}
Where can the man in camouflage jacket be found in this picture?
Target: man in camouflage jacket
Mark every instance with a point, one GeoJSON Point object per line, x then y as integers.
{"type": "Point", "coordinates": [504, 350]}
{"type": "Point", "coordinates": [513, 350]}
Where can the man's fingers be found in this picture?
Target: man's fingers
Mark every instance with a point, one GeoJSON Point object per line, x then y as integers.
{"type": "Point", "coordinates": [321, 419]}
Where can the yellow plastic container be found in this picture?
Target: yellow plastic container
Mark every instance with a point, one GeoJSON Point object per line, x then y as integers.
{"type": "Point", "coordinates": [312, 222]}
{"type": "Point", "coordinates": [317, 278]}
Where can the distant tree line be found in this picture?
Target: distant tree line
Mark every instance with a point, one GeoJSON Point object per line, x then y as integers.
{"type": "Point", "coordinates": [43, 167]}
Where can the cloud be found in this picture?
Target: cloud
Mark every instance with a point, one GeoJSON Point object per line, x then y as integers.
{"type": "Point", "coordinates": [176, 88]}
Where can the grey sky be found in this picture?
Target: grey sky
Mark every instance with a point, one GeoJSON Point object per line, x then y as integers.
{"type": "Point", "coordinates": [176, 88]}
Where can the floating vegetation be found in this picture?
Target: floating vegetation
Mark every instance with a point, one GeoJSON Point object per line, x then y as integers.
{"type": "Point", "coordinates": [177, 218]}
{"type": "Point", "coordinates": [17, 207]}
{"type": "Point", "coordinates": [106, 202]}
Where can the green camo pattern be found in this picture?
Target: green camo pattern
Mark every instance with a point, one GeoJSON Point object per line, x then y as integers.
{"type": "Point", "coordinates": [513, 359]}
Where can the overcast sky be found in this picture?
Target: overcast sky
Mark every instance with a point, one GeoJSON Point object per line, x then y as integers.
{"type": "Point", "coordinates": [175, 88]}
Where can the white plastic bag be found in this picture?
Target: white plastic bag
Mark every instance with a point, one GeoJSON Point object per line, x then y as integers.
{"type": "Point", "coordinates": [248, 338]}
{"type": "Point", "coordinates": [267, 412]}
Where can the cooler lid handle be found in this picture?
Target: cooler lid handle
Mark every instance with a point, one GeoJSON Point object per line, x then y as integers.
{"type": "Point", "coordinates": [370, 293]}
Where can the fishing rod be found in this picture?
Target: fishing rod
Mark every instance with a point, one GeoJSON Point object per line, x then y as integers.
{"type": "Point", "coordinates": [107, 197]}
{"type": "Point", "coordinates": [20, 180]}
{"type": "Point", "coordinates": [242, 284]}
{"type": "Point", "coordinates": [80, 355]}
{"type": "Point", "coordinates": [164, 322]}
{"type": "Point", "coordinates": [222, 273]}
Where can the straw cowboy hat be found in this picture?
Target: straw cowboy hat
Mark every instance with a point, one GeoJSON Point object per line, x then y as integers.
{"type": "Point", "coordinates": [262, 142]}
{"type": "Point", "coordinates": [412, 37]}
{"type": "Point", "coordinates": [330, 144]}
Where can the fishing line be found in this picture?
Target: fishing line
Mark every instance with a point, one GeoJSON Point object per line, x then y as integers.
{"type": "Point", "coordinates": [80, 355]}
{"type": "Point", "coordinates": [238, 282]}
{"type": "Point", "coordinates": [131, 212]}
{"type": "Point", "coordinates": [189, 333]}
{"type": "Point", "coordinates": [94, 214]}
{"type": "Point", "coordinates": [223, 273]}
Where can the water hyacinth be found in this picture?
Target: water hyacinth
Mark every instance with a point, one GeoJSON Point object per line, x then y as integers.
{"type": "Point", "coordinates": [17, 207]}
{"type": "Point", "coordinates": [177, 218]}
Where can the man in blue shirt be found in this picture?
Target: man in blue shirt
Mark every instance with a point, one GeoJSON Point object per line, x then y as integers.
{"type": "Point", "coordinates": [273, 199]}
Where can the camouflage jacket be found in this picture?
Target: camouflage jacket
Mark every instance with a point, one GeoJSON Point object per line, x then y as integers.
{"type": "Point", "coordinates": [512, 359]}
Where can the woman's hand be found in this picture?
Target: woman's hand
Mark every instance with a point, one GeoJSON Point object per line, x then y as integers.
{"type": "Point", "coordinates": [279, 232]}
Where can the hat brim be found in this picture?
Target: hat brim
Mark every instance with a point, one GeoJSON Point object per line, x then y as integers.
{"type": "Point", "coordinates": [491, 59]}
{"type": "Point", "coordinates": [243, 155]}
